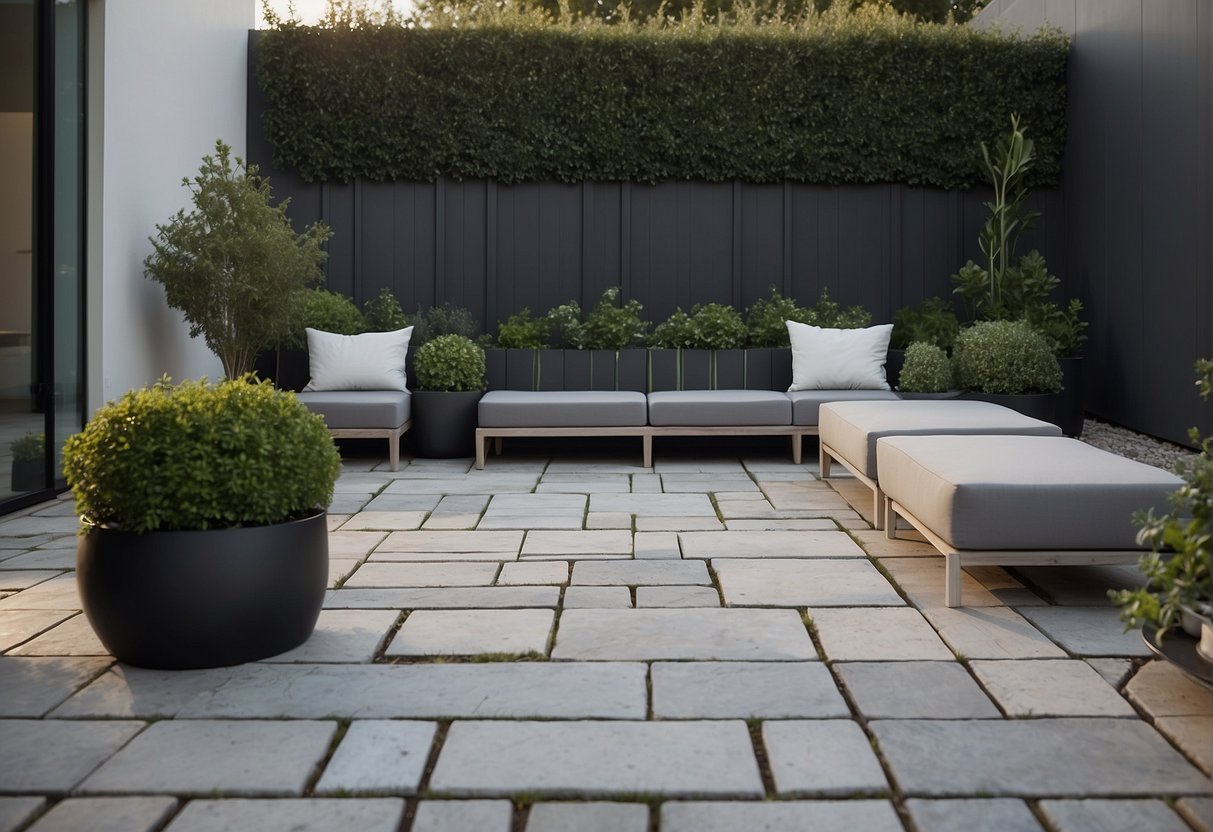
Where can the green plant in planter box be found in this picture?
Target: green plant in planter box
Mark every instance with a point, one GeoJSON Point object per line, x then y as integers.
{"type": "Point", "coordinates": [521, 331]}
{"type": "Point", "coordinates": [717, 326]}
{"type": "Point", "coordinates": [926, 369]}
{"type": "Point", "coordinates": [829, 314]}
{"type": "Point", "coordinates": [447, 319]}
{"type": "Point", "coordinates": [1007, 357]}
{"type": "Point", "coordinates": [676, 332]}
{"type": "Point", "coordinates": [613, 325]}
{"type": "Point", "coordinates": [29, 448]}
{"type": "Point", "coordinates": [383, 313]}
{"type": "Point", "coordinates": [565, 327]}
{"type": "Point", "coordinates": [450, 363]}
{"type": "Point", "coordinates": [1184, 578]}
{"type": "Point", "coordinates": [766, 320]}
{"type": "Point", "coordinates": [194, 455]}
{"type": "Point", "coordinates": [932, 322]}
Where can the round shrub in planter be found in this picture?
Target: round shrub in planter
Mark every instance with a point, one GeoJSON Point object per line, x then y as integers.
{"type": "Point", "coordinates": [927, 372]}
{"type": "Point", "coordinates": [205, 541]}
{"type": "Point", "coordinates": [1009, 363]}
{"type": "Point", "coordinates": [29, 460]}
{"type": "Point", "coordinates": [450, 381]}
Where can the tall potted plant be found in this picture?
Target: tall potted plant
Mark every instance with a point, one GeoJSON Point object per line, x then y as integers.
{"type": "Point", "coordinates": [205, 540]}
{"type": "Point", "coordinates": [450, 375]}
{"type": "Point", "coordinates": [233, 265]}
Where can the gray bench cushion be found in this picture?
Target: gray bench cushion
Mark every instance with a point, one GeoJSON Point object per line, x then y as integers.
{"type": "Point", "coordinates": [359, 408]}
{"type": "Point", "coordinates": [852, 428]}
{"type": "Point", "coordinates": [805, 403]}
{"type": "Point", "coordinates": [724, 408]}
{"type": "Point", "coordinates": [1021, 492]}
{"type": "Point", "coordinates": [562, 409]}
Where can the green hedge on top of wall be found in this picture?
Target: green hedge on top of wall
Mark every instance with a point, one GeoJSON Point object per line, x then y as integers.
{"type": "Point", "coordinates": [869, 101]}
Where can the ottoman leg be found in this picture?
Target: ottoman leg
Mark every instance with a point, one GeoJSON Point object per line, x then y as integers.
{"type": "Point", "coordinates": [890, 517]}
{"type": "Point", "coordinates": [482, 442]}
{"type": "Point", "coordinates": [952, 589]}
{"type": "Point", "coordinates": [826, 461]}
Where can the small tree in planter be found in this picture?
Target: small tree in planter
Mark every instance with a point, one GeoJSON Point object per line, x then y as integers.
{"type": "Point", "coordinates": [233, 265]}
{"type": "Point", "coordinates": [450, 374]}
{"type": "Point", "coordinates": [29, 460]}
{"type": "Point", "coordinates": [927, 371]}
{"type": "Point", "coordinates": [205, 541]}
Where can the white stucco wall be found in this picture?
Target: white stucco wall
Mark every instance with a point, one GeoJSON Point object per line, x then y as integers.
{"type": "Point", "coordinates": [167, 78]}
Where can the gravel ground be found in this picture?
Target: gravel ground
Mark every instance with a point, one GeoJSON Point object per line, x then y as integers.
{"type": "Point", "coordinates": [1127, 443]}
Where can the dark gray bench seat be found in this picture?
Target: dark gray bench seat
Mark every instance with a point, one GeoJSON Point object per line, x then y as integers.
{"type": "Point", "coordinates": [364, 414]}
{"type": "Point", "coordinates": [505, 413]}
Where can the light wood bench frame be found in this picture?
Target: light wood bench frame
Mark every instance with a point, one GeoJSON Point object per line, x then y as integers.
{"type": "Point", "coordinates": [827, 456]}
{"type": "Point", "coordinates": [955, 559]}
{"type": "Point", "coordinates": [392, 435]}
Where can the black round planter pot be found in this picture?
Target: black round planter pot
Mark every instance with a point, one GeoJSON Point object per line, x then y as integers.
{"type": "Point", "coordinates": [444, 423]}
{"type": "Point", "coordinates": [28, 474]}
{"type": "Point", "coordinates": [190, 599]}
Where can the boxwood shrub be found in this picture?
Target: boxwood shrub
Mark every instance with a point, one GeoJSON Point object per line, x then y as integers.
{"type": "Point", "coordinates": [823, 99]}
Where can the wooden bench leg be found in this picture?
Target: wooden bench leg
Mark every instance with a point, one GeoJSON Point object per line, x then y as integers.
{"type": "Point", "coordinates": [393, 452]}
{"type": "Point", "coordinates": [797, 447]}
{"type": "Point", "coordinates": [481, 447]}
{"type": "Point", "coordinates": [880, 514]}
{"type": "Point", "coordinates": [647, 439]}
{"type": "Point", "coordinates": [826, 461]}
{"type": "Point", "coordinates": [952, 576]}
{"type": "Point", "coordinates": [890, 517]}
{"type": "Point", "coordinates": [498, 441]}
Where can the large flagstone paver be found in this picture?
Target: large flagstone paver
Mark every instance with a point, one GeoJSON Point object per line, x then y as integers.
{"type": "Point", "coordinates": [828, 757]}
{"type": "Point", "coordinates": [534, 511]}
{"type": "Point", "coordinates": [654, 505]}
{"type": "Point", "coordinates": [922, 579]}
{"type": "Point", "coordinates": [382, 814]}
{"type": "Point", "coordinates": [464, 816]}
{"type": "Point", "coordinates": [772, 544]}
{"type": "Point", "coordinates": [53, 756]}
{"type": "Point", "coordinates": [658, 523]}
{"type": "Point", "coordinates": [597, 758]}
{"type": "Point", "coordinates": [367, 520]}
{"type": "Point", "coordinates": [474, 597]}
{"type": "Point", "coordinates": [107, 814]}
{"type": "Point", "coordinates": [572, 544]}
{"type": "Point", "coordinates": [781, 524]}
{"type": "Point", "coordinates": [1111, 816]}
{"type": "Point", "coordinates": [991, 633]}
{"type": "Point", "coordinates": [548, 572]}
{"type": "Point", "coordinates": [472, 632]}
{"type": "Point", "coordinates": [705, 634]}
{"type": "Point", "coordinates": [597, 597]}
{"type": "Point", "coordinates": [915, 690]}
{"type": "Point", "coordinates": [1161, 690]}
{"type": "Point", "coordinates": [677, 596]}
{"type": "Point", "coordinates": [877, 635]}
{"type": "Point", "coordinates": [656, 546]}
{"type": "Point", "coordinates": [350, 636]}
{"type": "Point", "coordinates": [1193, 735]}
{"type": "Point", "coordinates": [450, 543]}
{"type": "Point", "coordinates": [1114, 671]}
{"type": "Point", "coordinates": [868, 815]}
{"type": "Point", "coordinates": [1050, 687]}
{"type": "Point", "coordinates": [616, 484]}
{"type": "Point", "coordinates": [1083, 586]}
{"type": "Point", "coordinates": [1087, 631]}
{"type": "Point", "coordinates": [405, 502]}
{"type": "Point", "coordinates": [17, 626]}
{"type": "Point", "coordinates": [33, 685]}
{"type": "Point", "coordinates": [125, 691]}
{"type": "Point", "coordinates": [745, 690]}
{"type": "Point", "coordinates": [396, 574]}
{"type": "Point", "coordinates": [643, 572]}
{"type": "Point", "coordinates": [379, 757]}
{"type": "Point", "coordinates": [482, 483]}
{"type": "Point", "coordinates": [428, 691]}
{"type": "Point", "coordinates": [1034, 758]}
{"type": "Point", "coordinates": [15, 812]}
{"type": "Point", "coordinates": [803, 583]}
{"type": "Point", "coordinates": [58, 593]}
{"type": "Point", "coordinates": [457, 512]}
{"type": "Point", "coordinates": [244, 758]}
{"type": "Point", "coordinates": [42, 560]}
{"type": "Point", "coordinates": [74, 637]}
{"type": "Point", "coordinates": [1005, 814]}
{"type": "Point", "coordinates": [588, 817]}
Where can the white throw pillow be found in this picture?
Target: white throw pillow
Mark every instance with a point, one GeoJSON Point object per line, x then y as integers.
{"type": "Point", "coordinates": [370, 361]}
{"type": "Point", "coordinates": [839, 359]}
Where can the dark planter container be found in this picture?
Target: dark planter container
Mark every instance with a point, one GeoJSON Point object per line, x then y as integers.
{"type": "Point", "coordinates": [696, 370]}
{"type": "Point", "coordinates": [494, 369]}
{"type": "Point", "coordinates": [550, 375]}
{"type": "Point", "coordinates": [663, 370]}
{"type": "Point", "coordinates": [578, 370]}
{"type": "Point", "coordinates": [893, 365]}
{"type": "Point", "coordinates": [521, 369]}
{"type": "Point", "coordinates": [287, 368]}
{"type": "Point", "coordinates": [444, 423]}
{"type": "Point", "coordinates": [632, 370]}
{"type": "Point", "coordinates": [1070, 402]}
{"type": "Point", "coordinates": [1041, 406]}
{"type": "Point", "coordinates": [946, 394]}
{"type": "Point", "coordinates": [728, 369]}
{"type": "Point", "coordinates": [603, 364]}
{"type": "Point", "coordinates": [190, 599]}
{"type": "Point", "coordinates": [28, 474]}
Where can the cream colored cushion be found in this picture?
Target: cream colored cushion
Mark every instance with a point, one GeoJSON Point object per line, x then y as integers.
{"type": "Point", "coordinates": [370, 361]}
{"type": "Point", "coordinates": [838, 359]}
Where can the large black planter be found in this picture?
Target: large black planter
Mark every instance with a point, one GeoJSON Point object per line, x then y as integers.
{"type": "Point", "coordinates": [1041, 406]}
{"type": "Point", "coordinates": [28, 474]}
{"type": "Point", "coordinates": [190, 599]}
{"type": "Point", "coordinates": [1070, 402]}
{"type": "Point", "coordinates": [444, 424]}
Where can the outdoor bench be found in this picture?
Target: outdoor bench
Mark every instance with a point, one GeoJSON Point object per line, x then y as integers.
{"type": "Point", "coordinates": [364, 414]}
{"type": "Point", "coordinates": [590, 413]}
{"type": "Point", "coordinates": [1017, 500]}
{"type": "Point", "coordinates": [850, 430]}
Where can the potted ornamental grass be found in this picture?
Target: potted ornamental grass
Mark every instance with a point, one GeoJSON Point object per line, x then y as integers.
{"type": "Point", "coordinates": [204, 541]}
{"type": "Point", "coordinates": [926, 373]}
{"type": "Point", "coordinates": [1008, 363]}
{"type": "Point", "coordinates": [450, 372]}
{"type": "Point", "coordinates": [29, 462]}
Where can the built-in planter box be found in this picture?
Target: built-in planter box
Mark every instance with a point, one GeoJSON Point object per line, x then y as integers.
{"type": "Point", "coordinates": [287, 368]}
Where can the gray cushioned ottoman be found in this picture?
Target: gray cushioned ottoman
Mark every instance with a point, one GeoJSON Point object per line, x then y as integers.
{"type": "Point", "coordinates": [852, 428]}
{"type": "Point", "coordinates": [359, 408]}
{"type": "Point", "coordinates": [807, 403]}
{"type": "Point", "coordinates": [723, 408]}
{"type": "Point", "coordinates": [562, 408]}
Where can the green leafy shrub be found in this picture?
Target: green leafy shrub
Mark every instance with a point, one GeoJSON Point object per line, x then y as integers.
{"type": "Point", "coordinates": [717, 326]}
{"type": "Point", "coordinates": [31, 446]}
{"type": "Point", "coordinates": [926, 369]}
{"type": "Point", "coordinates": [767, 320]}
{"type": "Point", "coordinates": [383, 313]}
{"type": "Point", "coordinates": [447, 319]}
{"type": "Point", "coordinates": [830, 314]}
{"type": "Point", "coordinates": [1184, 578]}
{"type": "Point", "coordinates": [199, 456]}
{"type": "Point", "coordinates": [827, 99]}
{"type": "Point", "coordinates": [932, 322]}
{"type": "Point", "coordinates": [523, 332]}
{"type": "Point", "coordinates": [328, 312]}
{"type": "Point", "coordinates": [675, 332]}
{"type": "Point", "coordinates": [450, 362]}
{"type": "Point", "coordinates": [1005, 357]}
{"type": "Point", "coordinates": [612, 325]}
{"type": "Point", "coordinates": [234, 265]}
{"type": "Point", "coordinates": [565, 326]}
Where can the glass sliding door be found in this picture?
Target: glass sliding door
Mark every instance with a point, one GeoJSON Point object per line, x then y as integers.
{"type": "Point", "coordinates": [42, 106]}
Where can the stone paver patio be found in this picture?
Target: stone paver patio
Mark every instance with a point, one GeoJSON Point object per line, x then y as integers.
{"type": "Point", "coordinates": [575, 643]}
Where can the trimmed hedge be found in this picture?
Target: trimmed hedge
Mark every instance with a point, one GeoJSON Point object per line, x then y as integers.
{"type": "Point", "coordinates": [849, 101]}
